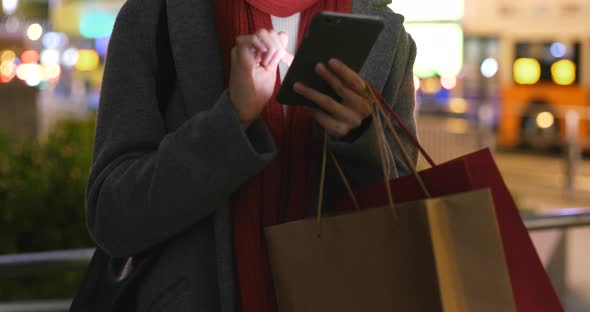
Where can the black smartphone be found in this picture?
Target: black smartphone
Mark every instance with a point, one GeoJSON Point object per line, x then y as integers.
{"type": "Point", "coordinates": [346, 37]}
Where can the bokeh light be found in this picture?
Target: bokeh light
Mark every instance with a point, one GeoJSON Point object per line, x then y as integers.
{"type": "Point", "coordinates": [70, 57]}
{"type": "Point", "coordinates": [7, 69]}
{"type": "Point", "coordinates": [527, 71]}
{"type": "Point", "coordinates": [449, 82]}
{"type": "Point", "coordinates": [30, 73]}
{"type": "Point", "coordinates": [563, 72]}
{"type": "Point", "coordinates": [457, 126]}
{"type": "Point", "coordinates": [87, 60]}
{"type": "Point", "coordinates": [417, 83]}
{"type": "Point", "coordinates": [50, 56]}
{"type": "Point", "coordinates": [55, 40]}
{"type": "Point", "coordinates": [7, 55]}
{"type": "Point", "coordinates": [34, 76]}
{"type": "Point", "coordinates": [34, 32]}
{"type": "Point", "coordinates": [9, 6]}
{"type": "Point", "coordinates": [545, 120]}
{"type": "Point", "coordinates": [558, 49]}
{"type": "Point", "coordinates": [489, 67]}
{"type": "Point", "coordinates": [458, 105]}
{"type": "Point", "coordinates": [21, 71]}
{"type": "Point", "coordinates": [431, 85]}
{"type": "Point", "coordinates": [52, 72]}
{"type": "Point", "coordinates": [5, 79]}
{"type": "Point", "coordinates": [29, 57]}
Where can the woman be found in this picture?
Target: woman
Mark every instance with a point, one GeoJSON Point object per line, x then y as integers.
{"type": "Point", "coordinates": [225, 159]}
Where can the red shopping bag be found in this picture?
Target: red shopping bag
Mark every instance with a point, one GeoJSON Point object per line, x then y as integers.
{"type": "Point", "coordinates": [532, 289]}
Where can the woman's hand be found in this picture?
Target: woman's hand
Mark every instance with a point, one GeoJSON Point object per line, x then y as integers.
{"type": "Point", "coordinates": [254, 62]}
{"type": "Point", "coordinates": [339, 117]}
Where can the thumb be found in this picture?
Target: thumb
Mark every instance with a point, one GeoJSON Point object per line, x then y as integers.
{"type": "Point", "coordinates": [284, 38]}
{"type": "Point", "coordinates": [288, 57]}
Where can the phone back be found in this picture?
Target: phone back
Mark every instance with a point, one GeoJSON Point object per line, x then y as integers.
{"type": "Point", "coordinates": [346, 37]}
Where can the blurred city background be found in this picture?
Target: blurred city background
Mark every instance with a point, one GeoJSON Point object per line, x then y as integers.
{"type": "Point", "coordinates": [510, 75]}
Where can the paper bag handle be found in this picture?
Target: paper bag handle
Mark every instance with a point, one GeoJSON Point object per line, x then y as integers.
{"type": "Point", "coordinates": [397, 139]}
{"type": "Point", "coordinates": [381, 146]}
{"type": "Point", "coordinates": [402, 125]}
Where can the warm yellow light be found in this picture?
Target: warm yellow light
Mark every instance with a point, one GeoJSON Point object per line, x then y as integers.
{"type": "Point", "coordinates": [30, 73]}
{"type": "Point", "coordinates": [527, 71]}
{"type": "Point", "coordinates": [431, 85]}
{"type": "Point", "coordinates": [7, 68]}
{"type": "Point", "coordinates": [545, 120]}
{"type": "Point", "coordinates": [35, 31]}
{"type": "Point", "coordinates": [88, 60]}
{"type": "Point", "coordinates": [21, 71]}
{"type": "Point", "coordinates": [564, 72]}
{"type": "Point", "coordinates": [458, 105]}
{"type": "Point", "coordinates": [52, 71]}
{"type": "Point", "coordinates": [457, 126]}
{"type": "Point", "coordinates": [8, 55]}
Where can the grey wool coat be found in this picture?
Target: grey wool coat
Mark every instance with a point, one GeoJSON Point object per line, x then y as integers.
{"type": "Point", "coordinates": [169, 178]}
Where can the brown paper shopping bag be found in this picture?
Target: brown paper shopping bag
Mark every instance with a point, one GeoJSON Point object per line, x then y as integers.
{"type": "Point", "coordinates": [471, 172]}
{"type": "Point", "coordinates": [436, 254]}
{"type": "Point", "coordinates": [441, 254]}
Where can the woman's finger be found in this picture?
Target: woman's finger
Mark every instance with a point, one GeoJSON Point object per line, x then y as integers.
{"type": "Point", "coordinates": [348, 76]}
{"type": "Point", "coordinates": [283, 38]}
{"type": "Point", "coordinates": [287, 57]}
{"type": "Point", "coordinates": [335, 128]}
{"type": "Point", "coordinates": [270, 43]}
{"type": "Point", "coordinates": [337, 85]}
{"type": "Point", "coordinates": [251, 41]}
{"type": "Point", "coordinates": [281, 49]}
{"type": "Point", "coordinates": [328, 104]}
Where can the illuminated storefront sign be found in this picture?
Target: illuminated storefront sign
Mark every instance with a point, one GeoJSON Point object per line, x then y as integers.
{"type": "Point", "coordinates": [438, 35]}
{"type": "Point", "coordinates": [97, 24]}
{"type": "Point", "coordinates": [440, 49]}
{"type": "Point", "coordinates": [429, 10]}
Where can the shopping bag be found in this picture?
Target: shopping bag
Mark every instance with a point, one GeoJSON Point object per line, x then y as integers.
{"type": "Point", "coordinates": [436, 254]}
{"type": "Point", "coordinates": [441, 254]}
{"type": "Point", "coordinates": [532, 288]}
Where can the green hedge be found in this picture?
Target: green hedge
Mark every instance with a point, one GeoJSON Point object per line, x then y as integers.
{"type": "Point", "coordinates": [42, 188]}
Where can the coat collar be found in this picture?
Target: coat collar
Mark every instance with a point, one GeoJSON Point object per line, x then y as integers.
{"type": "Point", "coordinates": [197, 54]}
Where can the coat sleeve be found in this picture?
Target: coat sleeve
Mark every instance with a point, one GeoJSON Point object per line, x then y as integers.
{"type": "Point", "coordinates": [361, 157]}
{"type": "Point", "coordinates": [147, 185]}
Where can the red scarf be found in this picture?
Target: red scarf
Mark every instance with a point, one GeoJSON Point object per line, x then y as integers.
{"type": "Point", "coordinates": [284, 190]}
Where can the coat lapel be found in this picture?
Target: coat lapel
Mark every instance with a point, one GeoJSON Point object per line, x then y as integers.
{"type": "Point", "coordinates": [197, 56]}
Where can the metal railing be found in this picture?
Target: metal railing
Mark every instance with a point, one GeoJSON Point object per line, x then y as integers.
{"type": "Point", "coordinates": [77, 260]}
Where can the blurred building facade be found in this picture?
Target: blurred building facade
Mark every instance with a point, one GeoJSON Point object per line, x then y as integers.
{"type": "Point", "coordinates": [523, 65]}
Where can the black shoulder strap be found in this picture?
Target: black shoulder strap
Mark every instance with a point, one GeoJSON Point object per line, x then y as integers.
{"type": "Point", "coordinates": [166, 71]}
